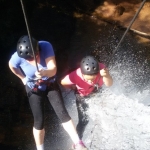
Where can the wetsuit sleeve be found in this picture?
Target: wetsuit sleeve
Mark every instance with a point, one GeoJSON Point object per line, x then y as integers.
{"type": "Point", "coordinates": [15, 60]}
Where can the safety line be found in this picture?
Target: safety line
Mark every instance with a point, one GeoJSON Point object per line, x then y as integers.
{"type": "Point", "coordinates": [132, 21]}
{"type": "Point", "coordinates": [29, 32]}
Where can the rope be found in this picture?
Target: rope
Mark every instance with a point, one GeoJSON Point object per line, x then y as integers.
{"type": "Point", "coordinates": [128, 28]}
{"type": "Point", "coordinates": [29, 33]}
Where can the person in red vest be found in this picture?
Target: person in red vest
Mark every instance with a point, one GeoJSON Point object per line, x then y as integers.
{"type": "Point", "coordinates": [86, 80]}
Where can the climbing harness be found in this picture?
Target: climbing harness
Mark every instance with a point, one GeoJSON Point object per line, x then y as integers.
{"type": "Point", "coordinates": [41, 82]}
{"type": "Point", "coordinates": [29, 32]}
{"type": "Point", "coordinates": [132, 21]}
{"type": "Point", "coordinates": [95, 87]}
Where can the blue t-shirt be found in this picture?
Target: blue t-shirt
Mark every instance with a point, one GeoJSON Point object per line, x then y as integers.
{"type": "Point", "coordinates": [46, 50]}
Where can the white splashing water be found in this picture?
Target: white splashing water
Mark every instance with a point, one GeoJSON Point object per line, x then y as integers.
{"type": "Point", "coordinates": [117, 122]}
{"type": "Point", "coordinates": [119, 116]}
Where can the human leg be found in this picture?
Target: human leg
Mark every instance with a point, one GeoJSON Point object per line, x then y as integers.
{"type": "Point", "coordinates": [37, 107]}
{"type": "Point", "coordinates": [82, 107]}
{"type": "Point", "coordinates": [57, 103]}
{"type": "Point", "coordinates": [60, 110]}
{"type": "Point", "coordinates": [78, 144]}
{"type": "Point", "coordinates": [69, 127]}
{"type": "Point", "coordinates": [38, 136]}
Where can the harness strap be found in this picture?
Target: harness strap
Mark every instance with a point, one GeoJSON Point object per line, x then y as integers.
{"type": "Point", "coordinates": [38, 83]}
{"type": "Point", "coordinates": [41, 82]}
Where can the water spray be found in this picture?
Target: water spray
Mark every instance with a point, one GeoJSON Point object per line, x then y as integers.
{"type": "Point", "coordinates": [128, 28]}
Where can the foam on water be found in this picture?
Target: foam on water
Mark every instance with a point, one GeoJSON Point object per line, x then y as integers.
{"type": "Point", "coordinates": [120, 115]}
{"type": "Point", "coordinates": [117, 122]}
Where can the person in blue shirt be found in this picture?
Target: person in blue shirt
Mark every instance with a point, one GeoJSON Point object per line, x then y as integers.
{"type": "Point", "coordinates": [40, 84]}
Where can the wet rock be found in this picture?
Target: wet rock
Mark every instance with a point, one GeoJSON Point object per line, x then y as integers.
{"type": "Point", "coordinates": [119, 10]}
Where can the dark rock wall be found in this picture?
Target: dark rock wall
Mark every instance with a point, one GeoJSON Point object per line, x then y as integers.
{"type": "Point", "coordinates": [49, 20]}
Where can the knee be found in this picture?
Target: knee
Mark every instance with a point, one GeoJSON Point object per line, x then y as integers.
{"type": "Point", "coordinates": [54, 95]}
{"type": "Point", "coordinates": [58, 105]}
{"type": "Point", "coordinates": [38, 126]}
{"type": "Point", "coordinates": [39, 123]}
{"type": "Point", "coordinates": [65, 118]}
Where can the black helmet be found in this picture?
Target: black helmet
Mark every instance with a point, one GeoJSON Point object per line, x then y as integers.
{"type": "Point", "coordinates": [89, 65]}
{"type": "Point", "coordinates": [24, 49]}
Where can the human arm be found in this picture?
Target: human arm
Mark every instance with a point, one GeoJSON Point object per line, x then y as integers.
{"type": "Point", "coordinates": [69, 81]}
{"type": "Point", "coordinates": [107, 79]}
{"type": "Point", "coordinates": [17, 72]}
{"type": "Point", "coordinates": [66, 85]}
{"type": "Point", "coordinates": [51, 68]}
{"type": "Point", "coordinates": [47, 55]}
{"type": "Point", "coordinates": [51, 65]}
